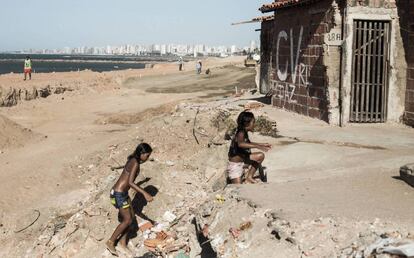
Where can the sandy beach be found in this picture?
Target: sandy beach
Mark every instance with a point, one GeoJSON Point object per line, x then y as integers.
{"type": "Point", "coordinates": [331, 191]}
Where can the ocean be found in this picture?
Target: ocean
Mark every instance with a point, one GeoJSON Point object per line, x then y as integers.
{"type": "Point", "coordinates": [13, 63]}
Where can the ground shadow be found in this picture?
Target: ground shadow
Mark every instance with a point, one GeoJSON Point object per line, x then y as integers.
{"type": "Point", "coordinates": [397, 178]}
{"type": "Point", "coordinates": [147, 255]}
{"type": "Point", "coordinates": [139, 202]}
{"type": "Point", "coordinates": [207, 250]}
{"type": "Point", "coordinates": [265, 100]}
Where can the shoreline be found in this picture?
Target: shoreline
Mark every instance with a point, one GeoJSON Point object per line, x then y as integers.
{"type": "Point", "coordinates": [94, 63]}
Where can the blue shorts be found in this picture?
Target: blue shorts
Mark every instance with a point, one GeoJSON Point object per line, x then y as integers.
{"type": "Point", "coordinates": [120, 199]}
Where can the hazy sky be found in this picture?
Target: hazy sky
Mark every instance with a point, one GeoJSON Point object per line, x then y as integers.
{"type": "Point", "coordinates": [59, 23]}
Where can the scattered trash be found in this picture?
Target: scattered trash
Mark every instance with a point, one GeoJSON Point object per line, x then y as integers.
{"type": "Point", "coordinates": [158, 227]}
{"type": "Point", "coordinates": [220, 199]}
{"type": "Point", "coordinates": [33, 222]}
{"type": "Point", "coordinates": [235, 233]}
{"type": "Point", "coordinates": [405, 249]}
{"type": "Point", "coordinates": [113, 146]}
{"type": "Point", "coordinates": [169, 216]}
{"type": "Point", "coordinates": [169, 163]}
{"type": "Point", "coordinates": [253, 105]}
{"type": "Point", "coordinates": [182, 255]}
{"type": "Point", "coordinates": [145, 225]}
{"type": "Point", "coordinates": [245, 226]}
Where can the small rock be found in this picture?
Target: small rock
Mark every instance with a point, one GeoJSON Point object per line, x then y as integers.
{"type": "Point", "coordinates": [181, 229]}
{"type": "Point", "coordinates": [169, 163]}
{"type": "Point", "coordinates": [169, 216]}
{"type": "Point", "coordinates": [291, 240]}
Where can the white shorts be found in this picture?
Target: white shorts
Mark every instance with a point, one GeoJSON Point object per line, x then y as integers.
{"type": "Point", "coordinates": [235, 170]}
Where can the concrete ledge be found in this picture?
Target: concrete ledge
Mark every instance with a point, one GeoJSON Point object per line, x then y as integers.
{"type": "Point", "coordinates": [407, 174]}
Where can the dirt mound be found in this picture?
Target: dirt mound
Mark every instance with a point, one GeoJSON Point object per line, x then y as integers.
{"type": "Point", "coordinates": [134, 118]}
{"type": "Point", "coordinates": [12, 134]}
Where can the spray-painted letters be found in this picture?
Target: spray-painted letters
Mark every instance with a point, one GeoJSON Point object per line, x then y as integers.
{"type": "Point", "coordinates": [283, 88]}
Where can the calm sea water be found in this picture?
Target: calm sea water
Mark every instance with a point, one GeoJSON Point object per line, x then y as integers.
{"type": "Point", "coordinates": [65, 63]}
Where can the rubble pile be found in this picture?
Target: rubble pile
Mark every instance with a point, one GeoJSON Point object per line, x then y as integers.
{"type": "Point", "coordinates": [187, 166]}
{"type": "Point", "coordinates": [194, 212]}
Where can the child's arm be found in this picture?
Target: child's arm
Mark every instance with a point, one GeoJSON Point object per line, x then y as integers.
{"type": "Point", "coordinates": [250, 145]}
{"type": "Point", "coordinates": [132, 176]}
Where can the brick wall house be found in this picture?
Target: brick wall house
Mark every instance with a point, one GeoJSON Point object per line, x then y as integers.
{"type": "Point", "coordinates": [406, 14]}
{"type": "Point", "coordinates": [339, 61]}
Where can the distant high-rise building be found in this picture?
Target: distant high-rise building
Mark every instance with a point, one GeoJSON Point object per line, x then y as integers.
{"type": "Point", "coordinates": [67, 50]}
{"type": "Point", "coordinates": [163, 49]}
{"type": "Point", "coordinates": [253, 45]}
{"type": "Point", "coordinates": [108, 50]}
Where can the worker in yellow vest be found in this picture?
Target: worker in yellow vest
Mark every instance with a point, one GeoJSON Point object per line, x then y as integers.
{"type": "Point", "coordinates": [28, 67]}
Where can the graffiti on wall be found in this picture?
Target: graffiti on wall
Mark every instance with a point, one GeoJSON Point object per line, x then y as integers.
{"type": "Point", "coordinates": [282, 87]}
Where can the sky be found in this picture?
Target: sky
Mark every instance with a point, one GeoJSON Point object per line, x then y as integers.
{"type": "Point", "coordinates": [41, 24]}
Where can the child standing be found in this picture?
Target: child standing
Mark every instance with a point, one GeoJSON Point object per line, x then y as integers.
{"type": "Point", "coordinates": [120, 199]}
{"type": "Point", "coordinates": [28, 67]}
{"type": "Point", "coordinates": [240, 150]}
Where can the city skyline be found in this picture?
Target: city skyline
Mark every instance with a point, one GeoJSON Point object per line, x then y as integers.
{"type": "Point", "coordinates": [51, 25]}
{"type": "Point", "coordinates": [143, 49]}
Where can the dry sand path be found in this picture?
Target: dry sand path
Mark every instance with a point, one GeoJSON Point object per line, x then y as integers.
{"type": "Point", "coordinates": [340, 172]}
{"type": "Point", "coordinates": [42, 174]}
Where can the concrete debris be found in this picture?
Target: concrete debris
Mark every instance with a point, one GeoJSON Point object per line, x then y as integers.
{"type": "Point", "coordinates": [403, 249]}
{"type": "Point", "coordinates": [169, 163]}
{"type": "Point", "coordinates": [194, 210]}
{"type": "Point", "coordinates": [13, 96]}
{"type": "Point", "coordinates": [253, 105]}
{"type": "Point", "coordinates": [169, 216]}
{"type": "Point", "coordinates": [407, 174]}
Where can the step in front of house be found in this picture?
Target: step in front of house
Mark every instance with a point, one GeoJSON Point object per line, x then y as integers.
{"type": "Point", "coordinates": [407, 173]}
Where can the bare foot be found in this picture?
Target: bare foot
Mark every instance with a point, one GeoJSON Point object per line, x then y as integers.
{"type": "Point", "coordinates": [111, 247]}
{"type": "Point", "coordinates": [124, 249]}
{"type": "Point", "coordinates": [249, 180]}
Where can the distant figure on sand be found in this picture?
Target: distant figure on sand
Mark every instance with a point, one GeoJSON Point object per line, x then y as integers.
{"type": "Point", "coordinates": [199, 66]}
{"type": "Point", "coordinates": [180, 64]}
{"type": "Point", "coordinates": [240, 151]}
{"type": "Point", "coordinates": [28, 67]}
{"type": "Point", "coordinates": [120, 199]}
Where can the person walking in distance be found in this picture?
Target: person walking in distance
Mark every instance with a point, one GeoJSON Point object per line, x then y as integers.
{"type": "Point", "coordinates": [28, 67]}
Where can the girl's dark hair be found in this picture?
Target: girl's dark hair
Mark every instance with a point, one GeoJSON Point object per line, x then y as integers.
{"type": "Point", "coordinates": [142, 148]}
{"type": "Point", "coordinates": [244, 119]}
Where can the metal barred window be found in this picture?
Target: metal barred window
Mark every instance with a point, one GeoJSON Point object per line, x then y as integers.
{"type": "Point", "coordinates": [369, 89]}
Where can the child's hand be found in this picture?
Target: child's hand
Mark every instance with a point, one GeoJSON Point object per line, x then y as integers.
{"type": "Point", "coordinates": [148, 197]}
{"type": "Point", "coordinates": [265, 147]}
